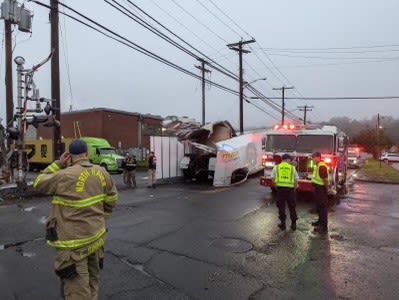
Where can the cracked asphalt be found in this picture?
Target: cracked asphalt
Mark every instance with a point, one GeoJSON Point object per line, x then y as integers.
{"type": "Point", "coordinates": [192, 241]}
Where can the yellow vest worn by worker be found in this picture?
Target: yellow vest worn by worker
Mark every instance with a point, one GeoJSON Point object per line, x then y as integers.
{"type": "Point", "coordinates": [285, 175]}
{"type": "Point", "coordinates": [83, 194]}
{"type": "Point", "coordinates": [316, 175]}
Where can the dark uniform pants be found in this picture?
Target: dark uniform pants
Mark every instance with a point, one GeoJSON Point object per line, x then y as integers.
{"type": "Point", "coordinates": [286, 195]}
{"type": "Point", "coordinates": [321, 200]}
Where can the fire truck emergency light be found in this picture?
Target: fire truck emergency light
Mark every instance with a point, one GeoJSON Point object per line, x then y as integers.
{"type": "Point", "coordinates": [285, 126]}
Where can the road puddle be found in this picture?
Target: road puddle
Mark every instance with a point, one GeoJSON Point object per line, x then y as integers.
{"type": "Point", "coordinates": [232, 245]}
{"type": "Point", "coordinates": [29, 209]}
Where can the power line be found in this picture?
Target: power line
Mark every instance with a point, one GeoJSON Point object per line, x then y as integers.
{"type": "Point", "coordinates": [227, 16]}
{"type": "Point", "coordinates": [66, 58]}
{"type": "Point", "coordinates": [149, 27]}
{"type": "Point", "coordinates": [260, 108]}
{"type": "Point", "coordinates": [220, 10]}
{"type": "Point", "coordinates": [194, 33]}
{"type": "Point", "coordinates": [206, 26]}
{"type": "Point", "coordinates": [338, 64]}
{"type": "Point", "coordinates": [229, 27]}
{"type": "Point", "coordinates": [342, 98]}
{"type": "Point", "coordinates": [330, 52]}
{"type": "Point", "coordinates": [133, 45]}
{"type": "Point", "coordinates": [305, 110]}
{"type": "Point", "coordinates": [335, 48]}
{"type": "Point", "coordinates": [184, 26]}
{"type": "Point", "coordinates": [282, 89]}
{"type": "Point", "coordinates": [259, 94]}
{"type": "Point", "coordinates": [153, 29]}
{"type": "Point", "coordinates": [253, 50]}
{"type": "Point", "coordinates": [278, 70]}
{"type": "Point", "coordinates": [336, 58]}
{"type": "Point", "coordinates": [239, 48]}
{"type": "Point", "coordinates": [220, 20]}
{"type": "Point", "coordinates": [270, 103]}
{"type": "Point", "coordinates": [120, 39]}
{"type": "Point", "coordinates": [165, 37]}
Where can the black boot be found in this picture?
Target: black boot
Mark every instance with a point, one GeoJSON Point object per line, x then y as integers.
{"type": "Point", "coordinates": [282, 225]}
{"type": "Point", "coordinates": [317, 223]}
{"type": "Point", "coordinates": [293, 225]}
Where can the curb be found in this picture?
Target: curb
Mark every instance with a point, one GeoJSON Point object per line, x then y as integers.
{"type": "Point", "coordinates": [374, 181]}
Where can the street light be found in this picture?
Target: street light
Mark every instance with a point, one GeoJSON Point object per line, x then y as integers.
{"type": "Point", "coordinates": [244, 84]}
{"type": "Point", "coordinates": [253, 81]}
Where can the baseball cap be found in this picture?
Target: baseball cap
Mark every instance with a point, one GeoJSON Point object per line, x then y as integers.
{"type": "Point", "coordinates": [285, 157]}
{"type": "Point", "coordinates": [77, 147]}
{"type": "Point", "coordinates": [316, 154]}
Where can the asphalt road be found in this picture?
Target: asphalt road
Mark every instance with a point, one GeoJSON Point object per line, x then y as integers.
{"type": "Point", "coordinates": [192, 241]}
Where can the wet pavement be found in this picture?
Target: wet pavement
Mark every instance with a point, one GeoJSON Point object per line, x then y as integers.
{"type": "Point", "coordinates": [192, 241]}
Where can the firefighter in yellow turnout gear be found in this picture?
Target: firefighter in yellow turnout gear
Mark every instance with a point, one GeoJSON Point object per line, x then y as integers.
{"type": "Point", "coordinates": [83, 195]}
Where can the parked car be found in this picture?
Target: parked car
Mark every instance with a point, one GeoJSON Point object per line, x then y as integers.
{"type": "Point", "coordinates": [353, 162]}
{"type": "Point", "coordinates": [390, 157]}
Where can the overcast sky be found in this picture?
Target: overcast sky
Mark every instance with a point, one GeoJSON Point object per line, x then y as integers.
{"type": "Point", "coordinates": [322, 48]}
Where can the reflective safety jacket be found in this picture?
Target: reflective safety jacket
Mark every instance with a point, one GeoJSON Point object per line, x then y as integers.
{"type": "Point", "coordinates": [83, 194]}
{"type": "Point", "coordinates": [316, 179]}
{"type": "Point", "coordinates": [285, 175]}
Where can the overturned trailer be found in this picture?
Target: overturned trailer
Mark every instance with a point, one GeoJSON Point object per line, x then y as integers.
{"type": "Point", "coordinates": [214, 152]}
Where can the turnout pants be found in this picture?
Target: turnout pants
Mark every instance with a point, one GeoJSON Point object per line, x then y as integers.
{"type": "Point", "coordinates": [82, 282]}
{"type": "Point", "coordinates": [131, 178]}
{"type": "Point", "coordinates": [321, 199]}
{"type": "Point", "coordinates": [286, 195]}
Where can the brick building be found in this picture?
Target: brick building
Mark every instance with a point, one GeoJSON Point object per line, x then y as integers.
{"type": "Point", "coordinates": [122, 129]}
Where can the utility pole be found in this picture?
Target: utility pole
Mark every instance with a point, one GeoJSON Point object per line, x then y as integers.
{"type": "Point", "coordinates": [55, 77]}
{"type": "Point", "coordinates": [305, 109]}
{"type": "Point", "coordinates": [378, 139]}
{"type": "Point", "coordinates": [8, 77]}
{"type": "Point", "coordinates": [238, 47]}
{"type": "Point", "coordinates": [13, 14]}
{"type": "Point", "coordinates": [204, 70]}
{"type": "Point", "coordinates": [282, 89]}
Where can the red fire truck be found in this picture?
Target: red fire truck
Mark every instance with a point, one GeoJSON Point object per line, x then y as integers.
{"type": "Point", "coordinates": [300, 141]}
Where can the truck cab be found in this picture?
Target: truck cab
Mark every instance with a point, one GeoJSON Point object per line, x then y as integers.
{"type": "Point", "coordinates": [101, 153]}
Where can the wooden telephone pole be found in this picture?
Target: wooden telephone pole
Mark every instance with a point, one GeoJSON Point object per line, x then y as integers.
{"type": "Point", "coordinates": [238, 47]}
{"type": "Point", "coordinates": [305, 109]}
{"type": "Point", "coordinates": [204, 70]}
{"type": "Point", "coordinates": [55, 77]}
{"type": "Point", "coordinates": [282, 89]}
{"type": "Point", "coordinates": [8, 78]}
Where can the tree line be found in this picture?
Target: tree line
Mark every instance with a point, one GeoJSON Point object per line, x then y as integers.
{"type": "Point", "coordinates": [366, 134]}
